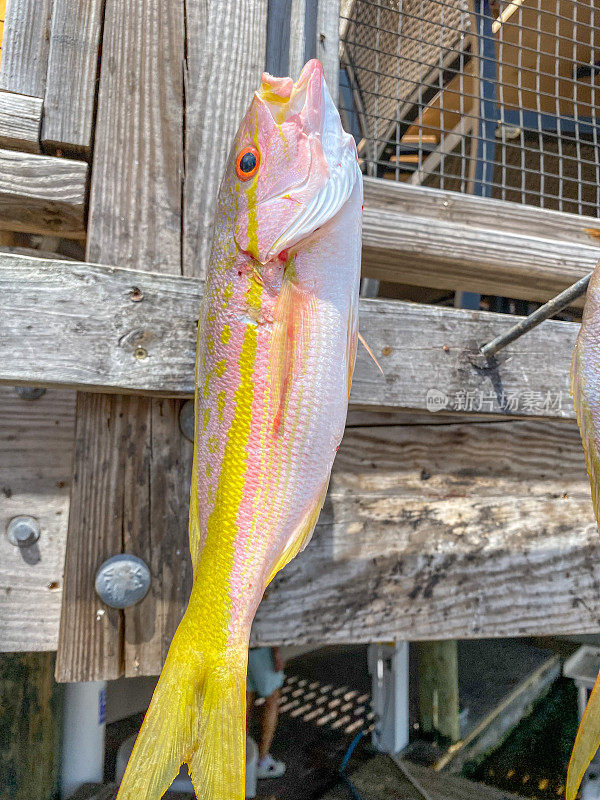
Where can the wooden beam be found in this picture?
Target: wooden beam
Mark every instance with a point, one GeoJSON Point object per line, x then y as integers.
{"type": "Point", "coordinates": [458, 531]}
{"type": "Point", "coordinates": [428, 237]}
{"type": "Point", "coordinates": [36, 440]}
{"type": "Point", "coordinates": [451, 530]}
{"type": "Point", "coordinates": [20, 120]}
{"type": "Point", "coordinates": [101, 328]}
{"type": "Point", "coordinates": [39, 194]}
{"type": "Point", "coordinates": [30, 703]}
{"type": "Point", "coordinates": [25, 47]}
{"type": "Point", "coordinates": [117, 501]}
{"type": "Point", "coordinates": [71, 84]}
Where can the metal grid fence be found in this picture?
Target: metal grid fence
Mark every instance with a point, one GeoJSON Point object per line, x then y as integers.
{"type": "Point", "coordinates": [491, 98]}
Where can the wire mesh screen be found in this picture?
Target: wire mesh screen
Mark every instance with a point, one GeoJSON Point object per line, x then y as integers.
{"type": "Point", "coordinates": [490, 98]}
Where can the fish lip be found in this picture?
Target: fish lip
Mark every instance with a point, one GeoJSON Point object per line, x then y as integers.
{"type": "Point", "coordinates": [286, 99]}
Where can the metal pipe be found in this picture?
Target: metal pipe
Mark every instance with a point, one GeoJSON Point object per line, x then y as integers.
{"type": "Point", "coordinates": [546, 311]}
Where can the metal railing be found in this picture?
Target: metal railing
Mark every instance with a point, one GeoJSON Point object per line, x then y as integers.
{"type": "Point", "coordinates": [490, 98]}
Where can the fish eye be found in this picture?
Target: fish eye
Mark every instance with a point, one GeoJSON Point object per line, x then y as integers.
{"type": "Point", "coordinates": [246, 164]}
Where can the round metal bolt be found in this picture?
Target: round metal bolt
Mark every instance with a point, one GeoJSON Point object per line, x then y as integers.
{"type": "Point", "coordinates": [186, 420]}
{"type": "Point", "coordinates": [23, 531]}
{"type": "Point", "coordinates": [122, 581]}
{"type": "Point", "coordinates": [140, 353]}
{"type": "Point", "coordinates": [136, 294]}
{"type": "Point", "coordinates": [30, 392]}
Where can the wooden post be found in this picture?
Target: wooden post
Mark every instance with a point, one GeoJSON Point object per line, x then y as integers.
{"type": "Point", "coordinates": [30, 713]}
{"type": "Point", "coordinates": [71, 83]}
{"type": "Point", "coordinates": [135, 218]}
{"type": "Point", "coordinates": [438, 689]}
{"type": "Point", "coordinates": [25, 47]}
{"type": "Point", "coordinates": [132, 465]}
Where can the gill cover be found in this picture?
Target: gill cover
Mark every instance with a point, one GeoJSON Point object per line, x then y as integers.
{"type": "Point", "coordinates": [308, 168]}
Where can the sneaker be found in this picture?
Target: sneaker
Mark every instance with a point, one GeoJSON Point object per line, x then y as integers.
{"type": "Point", "coordinates": [269, 767]}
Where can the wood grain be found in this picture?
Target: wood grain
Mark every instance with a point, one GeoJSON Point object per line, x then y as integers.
{"type": "Point", "coordinates": [39, 194]}
{"type": "Point", "coordinates": [20, 119]}
{"type": "Point", "coordinates": [427, 237]}
{"type": "Point", "coordinates": [71, 84]}
{"type": "Point", "coordinates": [135, 218]}
{"type": "Point", "coordinates": [428, 353]}
{"type": "Point", "coordinates": [36, 441]}
{"type": "Point", "coordinates": [25, 47]}
{"type": "Point", "coordinates": [222, 72]}
{"type": "Point", "coordinates": [30, 713]}
{"type": "Point", "coordinates": [431, 533]}
{"type": "Point", "coordinates": [455, 530]}
{"type": "Point", "coordinates": [327, 46]}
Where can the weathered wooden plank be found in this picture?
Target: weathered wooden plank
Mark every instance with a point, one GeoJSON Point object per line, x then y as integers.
{"type": "Point", "coordinates": [429, 531]}
{"type": "Point", "coordinates": [126, 331]}
{"type": "Point", "coordinates": [25, 46]}
{"type": "Point", "coordinates": [427, 237]}
{"type": "Point", "coordinates": [445, 532]}
{"type": "Point", "coordinates": [136, 218]}
{"type": "Point", "coordinates": [36, 440]}
{"type": "Point", "coordinates": [327, 45]}
{"type": "Point", "coordinates": [71, 83]}
{"type": "Point", "coordinates": [30, 713]}
{"type": "Point", "coordinates": [39, 194]}
{"type": "Point", "coordinates": [20, 119]}
{"type": "Point", "coordinates": [226, 54]}
{"type": "Point", "coordinates": [297, 46]}
{"type": "Point", "coordinates": [313, 32]}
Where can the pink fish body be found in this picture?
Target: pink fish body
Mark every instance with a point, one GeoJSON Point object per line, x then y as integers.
{"type": "Point", "coordinates": [276, 349]}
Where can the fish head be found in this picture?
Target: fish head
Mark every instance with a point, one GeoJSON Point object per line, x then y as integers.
{"type": "Point", "coordinates": [292, 166]}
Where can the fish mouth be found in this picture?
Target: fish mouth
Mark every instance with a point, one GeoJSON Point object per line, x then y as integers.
{"type": "Point", "coordinates": [305, 98]}
{"type": "Point", "coordinates": [333, 170]}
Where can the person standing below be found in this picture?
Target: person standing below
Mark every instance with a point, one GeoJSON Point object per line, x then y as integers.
{"type": "Point", "coordinates": [265, 679]}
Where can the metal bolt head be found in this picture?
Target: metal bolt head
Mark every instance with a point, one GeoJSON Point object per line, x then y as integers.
{"type": "Point", "coordinates": [140, 353]}
{"type": "Point", "coordinates": [23, 531]}
{"type": "Point", "coordinates": [122, 581]}
{"type": "Point", "coordinates": [30, 392]}
{"type": "Point", "coordinates": [186, 420]}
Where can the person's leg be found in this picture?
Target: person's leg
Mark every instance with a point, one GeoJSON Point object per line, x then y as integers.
{"type": "Point", "coordinates": [268, 722]}
{"type": "Point", "coordinates": [250, 695]}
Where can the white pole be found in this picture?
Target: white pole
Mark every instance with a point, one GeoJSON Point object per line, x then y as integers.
{"type": "Point", "coordinates": [388, 665]}
{"type": "Point", "coordinates": [84, 721]}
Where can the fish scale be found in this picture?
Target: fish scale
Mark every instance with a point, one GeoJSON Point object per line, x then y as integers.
{"type": "Point", "coordinates": [276, 347]}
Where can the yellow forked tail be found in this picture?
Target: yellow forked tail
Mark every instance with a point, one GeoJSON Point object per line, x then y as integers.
{"type": "Point", "coordinates": [587, 742]}
{"type": "Point", "coordinates": [197, 716]}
